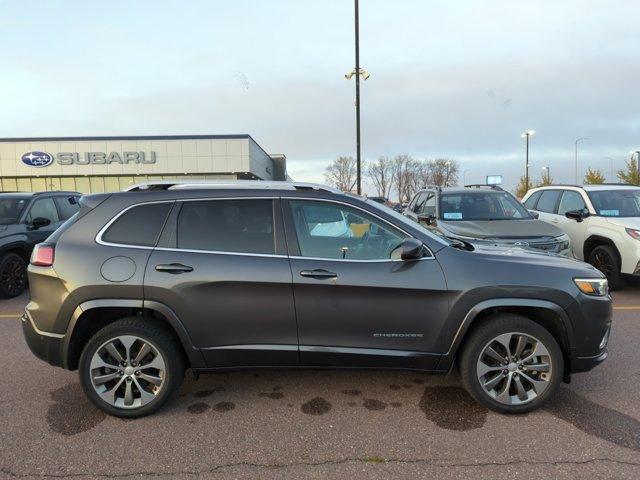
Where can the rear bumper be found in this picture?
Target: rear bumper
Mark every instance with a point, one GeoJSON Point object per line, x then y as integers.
{"type": "Point", "coordinates": [46, 346]}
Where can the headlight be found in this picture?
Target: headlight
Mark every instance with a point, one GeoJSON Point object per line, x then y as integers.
{"type": "Point", "coordinates": [564, 241]}
{"type": "Point", "coordinates": [633, 233]}
{"type": "Point", "coordinates": [597, 287]}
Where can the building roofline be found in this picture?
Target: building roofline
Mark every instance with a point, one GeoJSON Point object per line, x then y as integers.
{"type": "Point", "coordinates": [129, 137]}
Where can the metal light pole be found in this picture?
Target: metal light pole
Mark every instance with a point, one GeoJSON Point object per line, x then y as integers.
{"type": "Point", "coordinates": [464, 176]}
{"type": "Point", "coordinates": [548, 170]}
{"type": "Point", "coordinates": [526, 135]}
{"type": "Point", "coordinates": [611, 160]}
{"type": "Point", "coordinates": [576, 159]}
{"type": "Point", "coordinates": [357, 72]}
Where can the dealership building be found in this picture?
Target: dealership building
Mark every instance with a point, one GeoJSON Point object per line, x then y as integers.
{"type": "Point", "coordinates": [107, 164]}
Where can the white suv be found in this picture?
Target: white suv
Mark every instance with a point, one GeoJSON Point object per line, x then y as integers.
{"type": "Point", "coordinates": [603, 222]}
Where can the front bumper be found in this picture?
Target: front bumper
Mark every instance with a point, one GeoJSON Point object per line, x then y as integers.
{"type": "Point", "coordinates": [591, 321]}
{"type": "Point", "coordinates": [45, 346]}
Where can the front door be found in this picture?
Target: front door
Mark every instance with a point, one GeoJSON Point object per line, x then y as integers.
{"type": "Point", "coordinates": [227, 277]}
{"type": "Point", "coordinates": [569, 202]}
{"type": "Point", "coordinates": [357, 304]}
{"type": "Point", "coordinates": [42, 207]}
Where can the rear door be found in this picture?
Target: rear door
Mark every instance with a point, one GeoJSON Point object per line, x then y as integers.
{"type": "Point", "coordinates": [547, 205]}
{"type": "Point", "coordinates": [221, 266]}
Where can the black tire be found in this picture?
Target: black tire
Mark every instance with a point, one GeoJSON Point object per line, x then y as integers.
{"type": "Point", "coordinates": [13, 275]}
{"type": "Point", "coordinates": [148, 330]}
{"type": "Point", "coordinates": [605, 259]}
{"type": "Point", "coordinates": [479, 338]}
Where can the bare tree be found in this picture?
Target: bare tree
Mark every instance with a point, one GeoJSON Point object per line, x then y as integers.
{"type": "Point", "coordinates": [444, 172]}
{"type": "Point", "coordinates": [341, 173]}
{"type": "Point", "coordinates": [381, 174]}
{"type": "Point", "coordinates": [406, 176]}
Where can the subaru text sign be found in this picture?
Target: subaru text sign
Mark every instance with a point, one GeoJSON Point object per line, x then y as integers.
{"type": "Point", "coordinates": [43, 159]}
{"type": "Point", "coordinates": [37, 159]}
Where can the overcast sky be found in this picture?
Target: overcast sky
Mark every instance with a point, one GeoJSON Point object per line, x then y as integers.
{"type": "Point", "coordinates": [459, 79]}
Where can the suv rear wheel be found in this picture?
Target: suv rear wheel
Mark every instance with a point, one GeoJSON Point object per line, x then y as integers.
{"type": "Point", "coordinates": [13, 275]}
{"type": "Point", "coordinates": [605, 259]}
{"type": "Point", "coordinates": [511, 364]}
{"type": "Point", "coordinates": [131, 367]}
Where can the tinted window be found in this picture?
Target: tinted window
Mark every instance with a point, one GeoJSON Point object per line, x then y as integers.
{"type": "Point", "coordinates": [139, 225]}
{"type": "Point", "coordinates": [67, 206]}
{"type": "Point", "coordinates": [243, 226]}
{"type": "Point", "coordinates": [548, 201]}
{"type": "Point", "coordinates": [531, 201]}
{"type": "Point", "coordinates": [332, 230]}
{"type": "Point", "coordinates": [570, 202]}
{"type": "Point", "coordinates": [43, 208]}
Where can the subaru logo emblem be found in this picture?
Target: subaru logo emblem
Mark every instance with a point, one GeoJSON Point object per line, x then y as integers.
{"type": "Point", "coordinates": [521, 244]}
{"type": "Point", "coordinates": [37, 159]}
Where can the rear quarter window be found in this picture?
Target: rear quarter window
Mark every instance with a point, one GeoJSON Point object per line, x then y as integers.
{"type": "Point", "coordinates": [140, 225]}
{"type": "Point", "coordinates": [532, 200]}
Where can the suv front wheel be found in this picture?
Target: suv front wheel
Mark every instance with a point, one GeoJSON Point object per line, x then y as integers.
{"type": "Point", "coordinates": [511, 364]}
{"type": "Point", "coordinates": [131, 367]}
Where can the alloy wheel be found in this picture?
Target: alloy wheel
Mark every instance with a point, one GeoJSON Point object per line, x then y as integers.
{"type": "Point", "coordinates": [127, 371]}
{"type": "Point", "coordinates": [12, 277]}
{"type": "Point", "coordinates": [602, 262]}
{"type": "Point", "coordinates": [514, 368]}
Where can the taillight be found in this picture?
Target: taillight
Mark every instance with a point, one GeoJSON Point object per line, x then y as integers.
{"type": "Point", "coordinates": [42, 255]}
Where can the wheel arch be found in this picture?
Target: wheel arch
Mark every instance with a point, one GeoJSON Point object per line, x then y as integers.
{"type": "Point", "coordinates": [595, 240]}
{"type": "Point", "coordinates": [549, 315]}
{"type": "Point", "coordinates": [93, 315]}
{"type": "Point", "coordinates": [20, 248]}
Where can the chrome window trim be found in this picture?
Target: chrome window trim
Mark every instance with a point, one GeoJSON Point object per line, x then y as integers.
{"type": "Point", "coordinates": [101, 232]}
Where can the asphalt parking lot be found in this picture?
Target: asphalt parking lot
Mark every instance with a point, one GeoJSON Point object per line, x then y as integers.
{"type": "Point", "coordinates": [322, 424]}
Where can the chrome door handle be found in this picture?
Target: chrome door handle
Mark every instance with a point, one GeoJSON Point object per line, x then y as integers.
{"type": "Point", "coordinates": [320, 273]}
{"type": "Point", "coordinates": [174, 268]}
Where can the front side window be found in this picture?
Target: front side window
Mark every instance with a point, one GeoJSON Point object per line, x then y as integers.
{"type": "Point", "coordinates": [570, 202]}
{"type": "Point", "coordinates": [616, 203]}
{"type": "Point", "coordinates": [140, 225]}
{"type": "Point", "coordinates": [548, 201]}
{"type": "Point", "coordinates": [43, 208]}
{"type": "Point", "coordinates": [235, 226]}
{"type": "Point", "coordinates": [481, 206]}
{"type": "Point", "coordinates": [332, 230]}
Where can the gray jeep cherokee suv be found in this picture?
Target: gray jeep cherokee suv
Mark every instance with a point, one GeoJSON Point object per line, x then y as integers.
{"type": "Point", "coordinates": [140, 285]}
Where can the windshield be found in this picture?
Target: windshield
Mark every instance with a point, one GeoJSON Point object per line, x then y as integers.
{"type": "Point", "coordinates": [10, 210]}
{"type": "Point", "coordinates": [402, 220]}
{"type": "Point", "coordinates": [481, 205]}
{"type": "Point", "coordinates": [616, 203]}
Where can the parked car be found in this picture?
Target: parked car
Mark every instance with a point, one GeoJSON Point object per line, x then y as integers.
{"type": "Point", "coordinates": [25, 220]}
{"type": "Point", "coordinates": [142, 284]}
{"type": "Point", "coordinates": [485, 214]}
{"type": "Point", "coordinates": [603, 222]}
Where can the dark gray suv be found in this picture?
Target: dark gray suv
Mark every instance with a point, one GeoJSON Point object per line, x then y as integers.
{"type": "Point", "coordinates": [140, 285]}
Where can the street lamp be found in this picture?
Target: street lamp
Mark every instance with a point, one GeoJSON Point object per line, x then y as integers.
{"type": "Point", "coordinates": [526, 135]}
{"type": "Point", "coordinates": [576, 159]}
{"type": "Point", "coordinates": [548, 172]}
{"type": "Point", "coordinates": [464, 176]}
{"type": "Point", "coordinates": [358, 72]}
{"type": "Point", "coordinates": [611, 160]}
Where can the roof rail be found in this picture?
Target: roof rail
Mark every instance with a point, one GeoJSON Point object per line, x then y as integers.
{"type": "Point", "coordinates": [481, 185]}
{"type": "Point", "coordinates": [229, 185]}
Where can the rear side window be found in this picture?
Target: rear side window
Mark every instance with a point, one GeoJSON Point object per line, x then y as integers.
{"type": "Point", "coordinates": [531, 201]}
{"type": "Point", "coordinates": [548, 201]}
{"type": "Point", "coordinates": [67, 206]}
{"type": "Point", "coordinates": [235, 226]}
{"type": "Point", "coordinates": [140, 225]}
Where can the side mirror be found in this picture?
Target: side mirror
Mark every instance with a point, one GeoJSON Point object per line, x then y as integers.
{"type": "Point", "coordinates": [39, 222]}
{"type": "Point", "coordinates": [577, 215]}
{"type": "Point", "coordinates": [427, 219]}
{"type": "Point", "coordinates": [411, 249]}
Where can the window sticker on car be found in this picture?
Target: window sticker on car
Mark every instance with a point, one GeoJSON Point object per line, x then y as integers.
{"type": "Point", "coordinates": [453, 215]}
{"type": "Point", "coordinates": [610, 213]}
